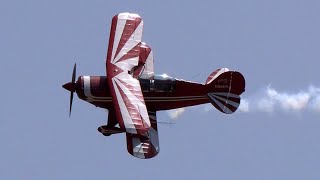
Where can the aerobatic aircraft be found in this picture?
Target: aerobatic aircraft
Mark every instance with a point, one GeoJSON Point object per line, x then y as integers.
{"type": "Point", "coordinates": [132, 93]}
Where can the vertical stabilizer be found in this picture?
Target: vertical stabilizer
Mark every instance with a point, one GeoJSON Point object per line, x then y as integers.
{"type": "Point", "coordinates": [224, 89]}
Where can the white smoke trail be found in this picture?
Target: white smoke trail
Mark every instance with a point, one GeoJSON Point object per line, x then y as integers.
{"type": "Point", "coordinates": [175, 113]}
{"type": "Point", "coordinates": [272, 100]}
{"type": "Point", "coordinates": [316, 104]}
{"type": "Point", "coordinates": [244, 106]}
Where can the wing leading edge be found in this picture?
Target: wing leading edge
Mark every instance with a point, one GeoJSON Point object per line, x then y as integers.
{"type": "Point", "coordinates": [123, 56]}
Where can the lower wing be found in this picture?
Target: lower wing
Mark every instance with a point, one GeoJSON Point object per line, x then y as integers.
{"type": "Point", "coordinates": [147, 145]}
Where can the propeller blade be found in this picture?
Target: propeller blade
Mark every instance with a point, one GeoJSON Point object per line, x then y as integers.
{"type": "Point", "coordinates": [72, 87]}
{"type": "Point", "coordinates": [74, 73]}
{"type": "Point", "coordinates": [71, 100]}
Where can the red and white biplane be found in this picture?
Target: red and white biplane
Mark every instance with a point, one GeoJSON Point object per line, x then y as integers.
{"type": "Point", "coordinates": [132, 93]}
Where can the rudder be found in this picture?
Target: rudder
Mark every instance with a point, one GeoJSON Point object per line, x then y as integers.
{"type": "Point", "coordinates": [224, 89]}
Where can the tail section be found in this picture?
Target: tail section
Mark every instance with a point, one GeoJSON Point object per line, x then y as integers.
{"type": "Point", "coordinates": [215, 74]}
{"type": "Point", "coordinates": [224, 89]}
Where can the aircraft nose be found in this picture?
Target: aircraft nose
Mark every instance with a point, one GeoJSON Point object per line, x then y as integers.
{"type": "Point", "coordinates": [69, 86]}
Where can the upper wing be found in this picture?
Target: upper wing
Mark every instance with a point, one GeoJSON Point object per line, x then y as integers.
{"type": "Point", "coordinates": [147, 145]}
{"type": "Point", "coordinates": [145, 68]}
{"type": "Point", "coordinates": [123, 56]}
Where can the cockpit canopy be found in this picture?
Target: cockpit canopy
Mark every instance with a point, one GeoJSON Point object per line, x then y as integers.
{"type": "Point", "coordinates": [160, 83]}
{"type": "Point", "coordinates": [163, 77]}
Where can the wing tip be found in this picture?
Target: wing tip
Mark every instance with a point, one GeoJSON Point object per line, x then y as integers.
{"type": "Point", "coordinates": [141, 147]}
{"type": "Point", "coordinates": [127, 15]}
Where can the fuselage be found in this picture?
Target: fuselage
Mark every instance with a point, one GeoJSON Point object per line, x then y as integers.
{"type": "Point", "coordinates": [160, 93]}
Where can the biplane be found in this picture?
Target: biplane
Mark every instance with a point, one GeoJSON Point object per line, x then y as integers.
{"type": "Point", "coordinates": [132, 93]}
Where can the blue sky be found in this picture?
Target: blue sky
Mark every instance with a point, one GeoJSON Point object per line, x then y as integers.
{"type": "Point", "coordinates": [273, 43]}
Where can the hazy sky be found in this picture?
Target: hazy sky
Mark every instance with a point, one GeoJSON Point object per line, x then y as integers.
{"type": "Point", "coordinates": [275, 44]}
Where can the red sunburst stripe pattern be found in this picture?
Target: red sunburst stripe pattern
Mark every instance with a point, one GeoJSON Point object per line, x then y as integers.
{"type": "Point", "coordinates": [123, 56]}
{"type": "Point", "coordinates": [132, 22]}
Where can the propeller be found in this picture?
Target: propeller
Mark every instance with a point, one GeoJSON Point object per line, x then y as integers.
{"type": "Point", "coordinates": [71, 86]}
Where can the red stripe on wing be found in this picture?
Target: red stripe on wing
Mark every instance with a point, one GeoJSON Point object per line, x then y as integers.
{"type": "Point", "coordinates": [134, 52]}
{"type": "Point", "coordinates": [134, 113]}
{"type": "Point", "coordinates": [111, 39]}
{"type": "Point", "coordinates": [130, 27]}
{"type": "Point", "coordinates": [134, 90]}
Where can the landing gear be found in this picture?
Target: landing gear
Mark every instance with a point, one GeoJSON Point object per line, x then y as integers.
{"type": "Point", "coordinates": [107, 130]}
